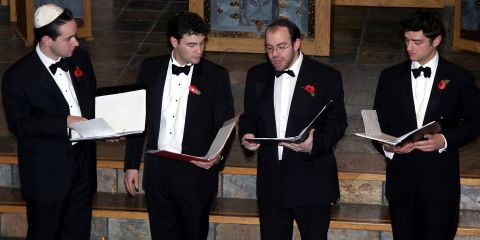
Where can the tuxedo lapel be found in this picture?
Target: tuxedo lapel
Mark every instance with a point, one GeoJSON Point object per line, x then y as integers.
{"type": "Point", "coordinates": [157, 87]}
{"type": "Point", "coordinates": [45, 79]}
{"type": "Point", "coordinates": [300, 99]}
{"type": "Point", "coordinates": [435, 94]}
{"type": "Point", "coordinates": [76, 83]}
{"type": "Point", "coordinates": [75, 79]}
{"type": "Point", "coordinates": [265, 89]}
{"type": "Point", "coordinates": [192, 103]}
{"type": "Point", "coordinates": [405, 85]}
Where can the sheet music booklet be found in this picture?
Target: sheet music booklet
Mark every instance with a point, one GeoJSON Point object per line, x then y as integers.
{"type": "Point", "coordinates": [215, 148]}
{"type": "Point", "coordinates": [297, 139]}
{"type": "Point", "coordinates": [373, 131]}
{"type": "Point", "coordinates": [116, 115]}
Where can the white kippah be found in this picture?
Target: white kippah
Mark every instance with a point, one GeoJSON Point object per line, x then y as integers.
{"type": "Point", "coordinates": [45, 14]}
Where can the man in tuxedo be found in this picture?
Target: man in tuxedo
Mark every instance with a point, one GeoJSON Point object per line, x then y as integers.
{"type": "Point", "coordinates": [188, 100]}
{"type": "Point", "coordinates": [423, 182]}
{"type": "Point", "coordinates": [43, 94]}
{"type": "Point", "coordinates": [295, 181]}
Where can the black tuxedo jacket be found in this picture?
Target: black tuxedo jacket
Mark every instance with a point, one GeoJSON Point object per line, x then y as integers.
{"type": "Point", "coordinates": [36, 113]}
{"type": "Point", "coordinates": [434, 174]}
{"type": "Point", "coordinates": [299, 179]}
{"type": "Point", "coordinates": [205, 115]}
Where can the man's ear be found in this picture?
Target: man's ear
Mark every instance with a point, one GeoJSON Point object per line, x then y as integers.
{"type": "Point", "coordinates": [46, 40]}
{"type": "Point", "coordinates": [174, 42]}
{"type": "Point", "coordinates": [437, 40]}
{"type": "Point", "coordinates": [297, 44]}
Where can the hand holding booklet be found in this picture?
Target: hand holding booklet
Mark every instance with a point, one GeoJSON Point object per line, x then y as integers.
{"type": "Point", "coordinates": [116, 115]}
{"type": "Point", "coordinates": [297, 139]}
{"type": "Point", "coordinates": [373, 131]}
{"type": "Point", "coordinates": [215, 148]}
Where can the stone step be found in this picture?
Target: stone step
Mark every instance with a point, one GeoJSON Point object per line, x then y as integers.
{"type": "Point", "coordinates": [249, 167]}
{"type": "Point", "coordinates": [361, 217]}
{"type": "Point", "coordinates": [361, 174]}
{"type": "Point", "coordinates": [361, 178]}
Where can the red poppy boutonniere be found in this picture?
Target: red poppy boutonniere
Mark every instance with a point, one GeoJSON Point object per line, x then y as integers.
{"type": "Point", "coordinates": [443, 84]}
{"type": "Point", "coordinates": [310, 89]}
{"type": "Point", "coordinates": [78, 72]}
{"type": "Point", "coordinates": [194, 90]}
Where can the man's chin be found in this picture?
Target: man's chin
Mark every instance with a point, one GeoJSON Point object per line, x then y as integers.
{"type": "Point", "coordinates": [195, 60]}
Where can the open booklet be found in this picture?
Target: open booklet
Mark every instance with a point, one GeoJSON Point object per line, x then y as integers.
{"type": "Point", "coordinates": [116, 115]}
{"type": "Point", "coordinates": [373, 131]}
{"type": "Point", "coordinates": [297, 139]}
{"type": "Point", "coordinates": [215, 148]}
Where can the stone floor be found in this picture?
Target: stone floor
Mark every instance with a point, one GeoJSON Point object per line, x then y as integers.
{"type": "Point", "coordinates": [365, 40]}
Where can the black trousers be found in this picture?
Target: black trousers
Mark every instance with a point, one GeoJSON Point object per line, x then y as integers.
{"type": "Point", "coordinates": [68, 218]}
{"type": "Point", "coordinates": [277, 223]}
{"type": "Point", "coordinates": [177, 214]}
{"type": "Point", "coordinates": [424, 219]}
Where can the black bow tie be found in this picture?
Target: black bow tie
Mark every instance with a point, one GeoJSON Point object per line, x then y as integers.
{"type": "Point", "coordinates": [426, 71]}
{"type": "Point", "coordinates": [63, 64]}
{"type": "Point", "coordinates": [176, 70]}
{"type": "Point", "coordinates": [289, 72]}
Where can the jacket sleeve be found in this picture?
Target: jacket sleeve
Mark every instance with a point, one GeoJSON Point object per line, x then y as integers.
{"type": "Point", "coordinates": [135, 143]}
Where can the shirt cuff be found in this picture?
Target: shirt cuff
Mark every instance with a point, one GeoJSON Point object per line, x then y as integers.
{"type": "Point", "coordinates": [388, 154]}
{"type": "Point", "coordinates": [441, 150]}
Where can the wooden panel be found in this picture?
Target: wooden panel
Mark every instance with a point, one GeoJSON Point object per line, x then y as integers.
{"type": "Point", "coordinates": [25, 26]}
{"type": "Point", "coordinates": [393, 3]}
{"type": "Point", "coordinates": [459, 42]}
{"type": "Point", "coordinates": [13, 11]}
{"type": "Point", "coordinates": [449, 3]}
{"type": "Point", "coordinates": [320, 46]}
{"type": "Point", "coordinates": [85, 31]}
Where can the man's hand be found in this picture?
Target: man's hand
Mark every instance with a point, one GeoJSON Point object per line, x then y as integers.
{"type": "Point", "coordinates": [131, 181]}
{"type": "Point", "coordinates": [305, 146]}
{"type": "Point", "coordinates": [249, 145]}
{"type": "Point", "coordinates": [405, 148]}
{"type": "Point", "coordinates": [207, 164]}
{"type": "Point", "coordinates": [73, 119]}
{"type": "Point", "coordinates": [432, 143]}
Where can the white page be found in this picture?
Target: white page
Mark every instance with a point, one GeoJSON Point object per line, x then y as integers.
{"type": "Point", "coordinates": [221, 138]}
{"type": "Point", "coordinates": [124, 112]}
{"type": "Point", "coordinates": [93, 128]}
{"type": "Point", "coordinates": [370, 121]}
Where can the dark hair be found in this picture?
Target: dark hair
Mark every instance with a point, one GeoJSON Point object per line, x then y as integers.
{"type": "Point", "coordinates": [186, 23]}
{"type": "Point", "coordinates": [427, 21]}
{"type": "Point", "coordinates": [51, 29]}
{"type": "Point", "coordinates": [292, 28]}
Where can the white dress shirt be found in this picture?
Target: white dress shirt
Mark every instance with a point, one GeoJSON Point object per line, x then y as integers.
{"type": "Point", "coordinates": [64, 83]}
{"type": "Point", "coordinates": [174, 109]}
{"type": "Point", "coordinates": [282, 98]}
